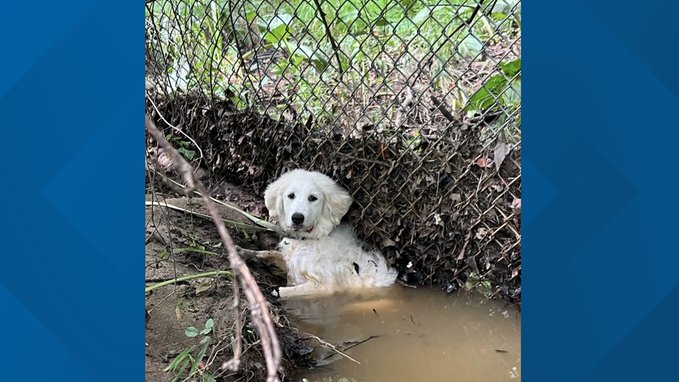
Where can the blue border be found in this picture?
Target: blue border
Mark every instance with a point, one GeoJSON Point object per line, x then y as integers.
{"type": "Point", "coordinates": [601, 98]}
{"type": "Point", "coordinates": [600, 264]}
{"type": "Point", "coordinates": [72, 117]}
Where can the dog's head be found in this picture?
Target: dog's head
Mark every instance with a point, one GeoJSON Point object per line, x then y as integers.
{"type": "Point", "coordinates": [307, 203]}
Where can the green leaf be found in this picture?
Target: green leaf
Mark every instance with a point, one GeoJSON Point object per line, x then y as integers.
{"type": "Point", "coordinates": [209, 325]}
{"type": "Point", "coordinates": [304, 52]}
{"type": "Point", "coordinates": [380, 22]}
{"type": "Point", "coordinates": [498, 16]}
{"type": "Point", "coordinates": [488, 94]}
{"type": "Point", "coordinates": [189, 154]}
{"type": "Point", "coordinates": [278, 28]}
{"type": "Point", "coordinates": [511, 68]}
{"type": "Point", "coordinates": [164, 255]}
{"type": "Point", "coordinates": [205, 342]}
{"type": "Point", "coordinates": [191, 331]}
{"type": "Point", "coordinates": [512, 96]}
{"type": "Point", "coordinates": [249, 16]}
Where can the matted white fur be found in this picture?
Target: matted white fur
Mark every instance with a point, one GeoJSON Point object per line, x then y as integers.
{"type": "Point", "coordinates": [321, 256]}
{"type": "Point", "coordinates": [332, 263]}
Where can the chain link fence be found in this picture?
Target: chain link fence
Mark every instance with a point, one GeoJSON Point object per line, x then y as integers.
{"type": "Point", "coordinates": [413, 106]}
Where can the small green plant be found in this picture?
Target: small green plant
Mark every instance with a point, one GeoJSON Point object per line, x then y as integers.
{"type": "Point", "coordinates": [478, 283]}
{"type": "Point", "coordinates": [186, 364]}
{"type": "Point", "coordinates": [182, 145]}
{"type": "Point", "coordinates": [502, 89]}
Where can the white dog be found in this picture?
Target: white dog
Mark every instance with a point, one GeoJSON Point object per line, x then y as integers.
{"type": "Point", "coordinates": [307, 204]}
{"type": "Point", "coordinates": [320, 256]}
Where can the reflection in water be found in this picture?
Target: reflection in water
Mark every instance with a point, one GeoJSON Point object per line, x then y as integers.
{"type": "Point", "coordinates": [422, 335]}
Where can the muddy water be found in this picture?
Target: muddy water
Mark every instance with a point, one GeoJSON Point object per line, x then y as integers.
{"type": "Point", "coordinates": [421, 335]}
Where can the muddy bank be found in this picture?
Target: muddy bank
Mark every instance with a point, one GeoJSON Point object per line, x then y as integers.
{"type": "Point", "coordinates": [180, 245]}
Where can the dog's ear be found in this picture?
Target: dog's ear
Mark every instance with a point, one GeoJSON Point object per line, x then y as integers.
{"type": "Point", "coordinates": [273, 196]}
{"type": "Point", "coordinates": [337, 201]}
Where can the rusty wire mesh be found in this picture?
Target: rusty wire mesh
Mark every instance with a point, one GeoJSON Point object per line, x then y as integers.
{"type": "Point", "coordinates": [414, 106]}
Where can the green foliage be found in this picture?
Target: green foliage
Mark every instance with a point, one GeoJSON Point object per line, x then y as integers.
{"type": "Point", "coordinates": [476, 282]}
{"type": "Point", "coordinates": [189, 365]}
{"type": "Point", "coordinates": [502, 89]}
{"type": "Point", "coordinates": [214, 46]}
{"type": "Point", "coordinates": [191, 332]}
{"type": "Point", "coordinates": [183, 146]}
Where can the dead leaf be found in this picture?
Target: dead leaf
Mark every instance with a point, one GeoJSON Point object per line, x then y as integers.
{"type": "Point", "coordinates": [516, 205]}
{"type": "Point", "coordinates": [203, 286]}
{"type": "Point", "coordinates": [388, 243]}
{"type": "Point", "coordinates": [501, 151]}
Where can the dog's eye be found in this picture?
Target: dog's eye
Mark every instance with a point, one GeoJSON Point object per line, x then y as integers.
{"type": "Point", "coordinates": [312, 198]}
{"type": "Point", "coordinates": [291, 196]}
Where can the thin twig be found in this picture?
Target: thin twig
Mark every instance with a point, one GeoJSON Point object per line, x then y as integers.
{"type": "Point", "coordinates": [333, 348]}
{"type": "Point", "coordinates": [259, 309]}
{"type": "Point", "coordinates": [353, 345]}
{"type": "Point", "coordinates": [177, 129]}
{"type": "Point", "coordinates": [187, 278]}
{"type": "Point", "coordinates": [195, 250]}
{"type": "Point", "coordinates": [335, 47]}
{"type": "Point", "coordinates": [236, 224]}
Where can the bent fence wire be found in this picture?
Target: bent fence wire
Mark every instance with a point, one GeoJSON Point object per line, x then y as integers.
{"type": "Point", "coordinates": [414, 106]}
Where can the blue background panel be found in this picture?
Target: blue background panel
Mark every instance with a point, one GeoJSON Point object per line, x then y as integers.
{"type": "Point", "coordinates": [600, 112]}
{"type": "Point", "coordinates": [72, 117]}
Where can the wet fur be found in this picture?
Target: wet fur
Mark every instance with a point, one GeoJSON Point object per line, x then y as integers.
{"type": "Point", "coordinates": [321, 256]}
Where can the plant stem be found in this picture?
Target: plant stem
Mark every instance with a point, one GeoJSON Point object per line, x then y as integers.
{"type": "Point", "coordinates": [189, 277]}
{"type": "Point", "coordinates": [234, 223]}
{"type": "Point", "coordinates": [196, 250]}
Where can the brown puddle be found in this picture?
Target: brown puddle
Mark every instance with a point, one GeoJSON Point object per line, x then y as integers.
{"type": "Point", "coordinates": [422, 335]}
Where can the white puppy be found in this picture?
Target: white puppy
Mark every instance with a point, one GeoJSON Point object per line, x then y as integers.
{"type": "Point", "coordinates": [307, 204]}
{"type": "Point", "coordinates": [320, 256]}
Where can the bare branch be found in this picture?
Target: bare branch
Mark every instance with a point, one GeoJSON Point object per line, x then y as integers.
{"type": "Point", "coordinates": [328, 33]}
{"type": "Point", "coordinates": [259, 309]}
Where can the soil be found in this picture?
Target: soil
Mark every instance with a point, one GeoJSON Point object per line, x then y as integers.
{"type": "Point", "coordinates": [175, 246]}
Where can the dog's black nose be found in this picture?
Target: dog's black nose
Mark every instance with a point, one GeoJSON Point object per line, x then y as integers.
{"type": "Point", "coordinates": [297, 218]}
